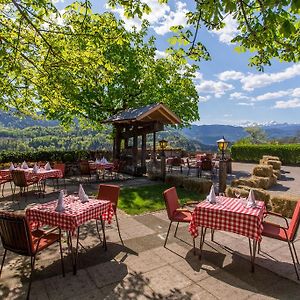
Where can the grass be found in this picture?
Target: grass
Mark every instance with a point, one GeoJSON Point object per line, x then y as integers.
{"type": "Point", "coordinates": [142, 199]}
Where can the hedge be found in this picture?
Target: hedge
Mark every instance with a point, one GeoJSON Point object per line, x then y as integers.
{"type": "Point", "coordinates": [287, 153]}
{"type": "Point", "coordinates": [50, 155]}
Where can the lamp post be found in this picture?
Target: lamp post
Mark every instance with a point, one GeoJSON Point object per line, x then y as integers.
{"type": "Point", "coordinates": [163, 145]}
{"type": "Point", "coordinates": [222, 146]}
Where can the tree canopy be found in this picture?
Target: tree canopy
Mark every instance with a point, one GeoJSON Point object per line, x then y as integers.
{"type": "Point", "coordinates": [267, 28]}
{"type": "Point", "coordinates": [84, 65]}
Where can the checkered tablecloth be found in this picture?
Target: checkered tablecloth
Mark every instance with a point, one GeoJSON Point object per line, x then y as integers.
{"type": "Point", "coordinates": [229, 214]}
{"type": "Point", "coordinates": [101, 166]}
{"type": "Point", "coordinates": [75, 214]}
{"type": "Point", "coordinates": [42, 174]}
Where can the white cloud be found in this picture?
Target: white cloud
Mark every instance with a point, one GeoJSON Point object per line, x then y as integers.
{"type": "Point", "coordinates": [178, 17]}
{"type": "Point", "coordinates": [293, 103]}
{"type": "Point", "coordinates": [203, 99]}
{"type": "Point", "coordinates": [252, 81]}
{"type": "Point", "coordinates": [160, 54]}
{"type": "Point", "coordinates": [275, 95]}
{"type": "Point", "coordinates": [231, 75]}
{"type": "Point", "coordinates": [245, 103]}
{"type": "Point", "coordinates": [218, 88]}
{"type": "Point", "coordinates": [227, 33]}
{"type": "Point", "coordinates": [239, 96]}
{"type": "Point", "coordinates": [161, 17]}
{"type": "Point", "coordinates": [198, 76]}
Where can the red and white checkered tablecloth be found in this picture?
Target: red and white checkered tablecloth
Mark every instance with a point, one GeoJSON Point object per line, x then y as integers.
{"type": "Point", "coordinates": [42, 174]}
{"type": "Point", "coordinates": [101, 166]}
{"type": "Point", "coordinates": [229, 214]}
{"type": "Point", "coordinates": [75, 214]}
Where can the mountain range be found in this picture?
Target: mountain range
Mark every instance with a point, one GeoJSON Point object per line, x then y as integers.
{"type": "Point", "coordinates": [202, 134]}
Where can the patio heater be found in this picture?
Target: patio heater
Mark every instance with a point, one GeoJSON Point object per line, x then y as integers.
{"type": "Point", "coordinates": [163, 145]}
{"type": "Point", "coordinates": [222, 146]}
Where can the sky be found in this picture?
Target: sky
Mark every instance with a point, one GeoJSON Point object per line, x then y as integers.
{"type": "Point", "coordinates": [230, 92]}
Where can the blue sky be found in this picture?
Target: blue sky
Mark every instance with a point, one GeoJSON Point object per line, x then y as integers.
{"type": "Point", "coordinates": [229, 91]}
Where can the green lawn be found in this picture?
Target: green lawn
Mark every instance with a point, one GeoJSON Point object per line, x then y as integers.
{"type": "Point", "coordinates": [138, 200]}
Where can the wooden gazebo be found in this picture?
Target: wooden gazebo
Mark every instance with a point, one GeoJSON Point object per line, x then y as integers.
{"type": "Point", "coordinates": [131, 124]}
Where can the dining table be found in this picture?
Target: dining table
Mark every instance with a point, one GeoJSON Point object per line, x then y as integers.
{"type": "Point", "coordinates": [75, 214]}
{"type": "Point", "coordinates": [231, 215]}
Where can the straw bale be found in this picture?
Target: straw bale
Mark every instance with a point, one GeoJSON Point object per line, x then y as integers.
{"type": "Point", "coordinates": [259, 194]}
{"type": "Point", "coordinates": [268, 157]}
{"type": "Point", "coordinates": [247, 181]}
{"type": "Point", "coordinates": [275, 163]}
{"type": "Point", "coordinates": [263, 170]}
{"type": "Point", "coordinates": [198, 185]}
{"type": "Point", "coordinates": [174, 179]}
{"type": "Point", "coordinates": [284, 204]}
{"type": "Point", "coordinates": [277, 173]}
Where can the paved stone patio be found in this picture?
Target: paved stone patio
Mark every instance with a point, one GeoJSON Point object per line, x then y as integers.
{"type": "Point", "coordinates": [144, 269]}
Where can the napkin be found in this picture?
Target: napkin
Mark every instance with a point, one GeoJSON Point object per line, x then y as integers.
{"type": "Point", "coordinates": [35, 168]}
{"type": "Point", "coordinates": [104, 160]}
{"type": "Point", "coordinates": [211, 198]}
{"type": "Point", "coordinates": [60, 202]}
{"type": "Point", "coordinates": [24, 165]}
{"type": "Point", "coordinates": [48, 166]}
{"type": "Point", "coordinates": [11, 167]}
{"type": "Point", "coordinates": [83, 197]}
{"type": "Point", "coordinates": [251, 200]}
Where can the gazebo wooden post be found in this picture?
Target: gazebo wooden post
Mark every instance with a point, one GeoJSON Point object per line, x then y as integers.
{"type": "Point", "coordinates": [135, 152]}
{"type": "Point", "coordinates": [154, 146]}
{"type": "Point", "coordinates": [117, 152]}
{"type": "Point", "coordinates": [143, 153]}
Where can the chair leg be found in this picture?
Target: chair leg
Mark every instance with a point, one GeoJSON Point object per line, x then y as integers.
{"type": "Point", "coordinates": [61, 254]}
{"type": "Point", "coordinates": [3, 259]}
{"type": "Point", "coordinates": [119, 229]}
{"type": "Point", "coordinates": [32, 262]}
{"type": "Point", "coordinates": [167, 234]}
{"type": "Point", "coordinates": [212, 235]}
{"type": "Point", "coordinates": [3, 189]}
{"type": "Point", "coordinates": [296, 256]}
{"type": "Point", "coordinates": [294, 262]}
{"type": "Point", "coordinates": [176, 229]}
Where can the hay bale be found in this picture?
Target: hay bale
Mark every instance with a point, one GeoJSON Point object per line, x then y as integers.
{"type": "Point", "coordinates": [247, 181]}
{"type": "Point", "coordinates": [275, 163]}
{"type": "Point", "coordinates": [198, 185]}
{"type": "Point", "coordinates": [269, 157]}
{"type": "Point", "coordinates": [263, 171]}
{"type": "Point", "coordinates": [174, 179]}
{"type": "Point", "coordinates": [259, 194]}
{"type": "Point", "coordinates": [284, 204]}
{"type": "Point", "coordinates": [277, 173]}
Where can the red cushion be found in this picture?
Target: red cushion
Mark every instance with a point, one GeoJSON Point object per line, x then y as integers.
{"type": "Point", "coordinates": [273, 231]}
{"type": "Point", "coordinates": [182, 216]}
{"type": "Point", "coordinates": [45, 241]}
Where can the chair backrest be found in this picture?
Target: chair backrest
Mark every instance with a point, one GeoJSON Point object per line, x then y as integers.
{"type": "Point", "coordinates": [84, 167]}
{"type": "Point", "coordinates": [19, 178]}
{"type": "Point", "coordinates": [109, 192]}
{"type": "Point", "coordinates": [15, 233]}
{"type": "Point", "coordinates": [206, 165]}
{"type": "Point", "coordinates": [61, 167]}
{"type": "Point", "coordinates": [171, 201]}
{"type": "Point", "coordinates": [295, 222]}
{"type": "Point", "coordinates": [177, 161]}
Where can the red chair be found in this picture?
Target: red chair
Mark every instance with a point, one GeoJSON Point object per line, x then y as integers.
{"type": "Point", "coordinates": [3, 180]}
{"type": "Point", "coordinates": [111, 193]}
{"type": "Point", "coordinates": [62, 168]}
{"type": "Point", "coordinates": [287, 234]}
{"type": "Point", "coordinates": [175, 212]}
{"type": "Point", "coordinates": [17, 237]}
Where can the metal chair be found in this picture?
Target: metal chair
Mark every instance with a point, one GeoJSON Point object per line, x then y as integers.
{"type": "Point", "coordinates": [206, 165]}
{"type": "Point", "coordinates": [3, 180]}
{"type": "Point", "coordinates": [17, 237]}
{"type": "Point", "coordinates": [85, 169]}
{"type": "Point", "coordinates": [19, 179]}
{"type": "Point", "coordinates": [286, 234]}
{"type": "Point", "coordinates": [111, 193]}
{"type": "Point", "coordinates": [192, 165]}
{"type": "Point", "coordinates": [175, 212]}
{"type": "Point", "coordinates": [62, 168]}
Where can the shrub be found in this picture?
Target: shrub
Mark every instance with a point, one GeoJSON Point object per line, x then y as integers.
{"type": "Point", "coordinates": [287, 153]}
{"type": "Point", "coordinates": [198, 185]}
{"type": "Point", "coordinates": [174, 179]}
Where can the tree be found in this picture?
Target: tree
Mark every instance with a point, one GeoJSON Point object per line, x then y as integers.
{"type": "Point", "coordinates": [257, 135]}
{"type": "Point", "coordinates": [84, 65]}
{"type": "Point", "coordinates": [268, 28]}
